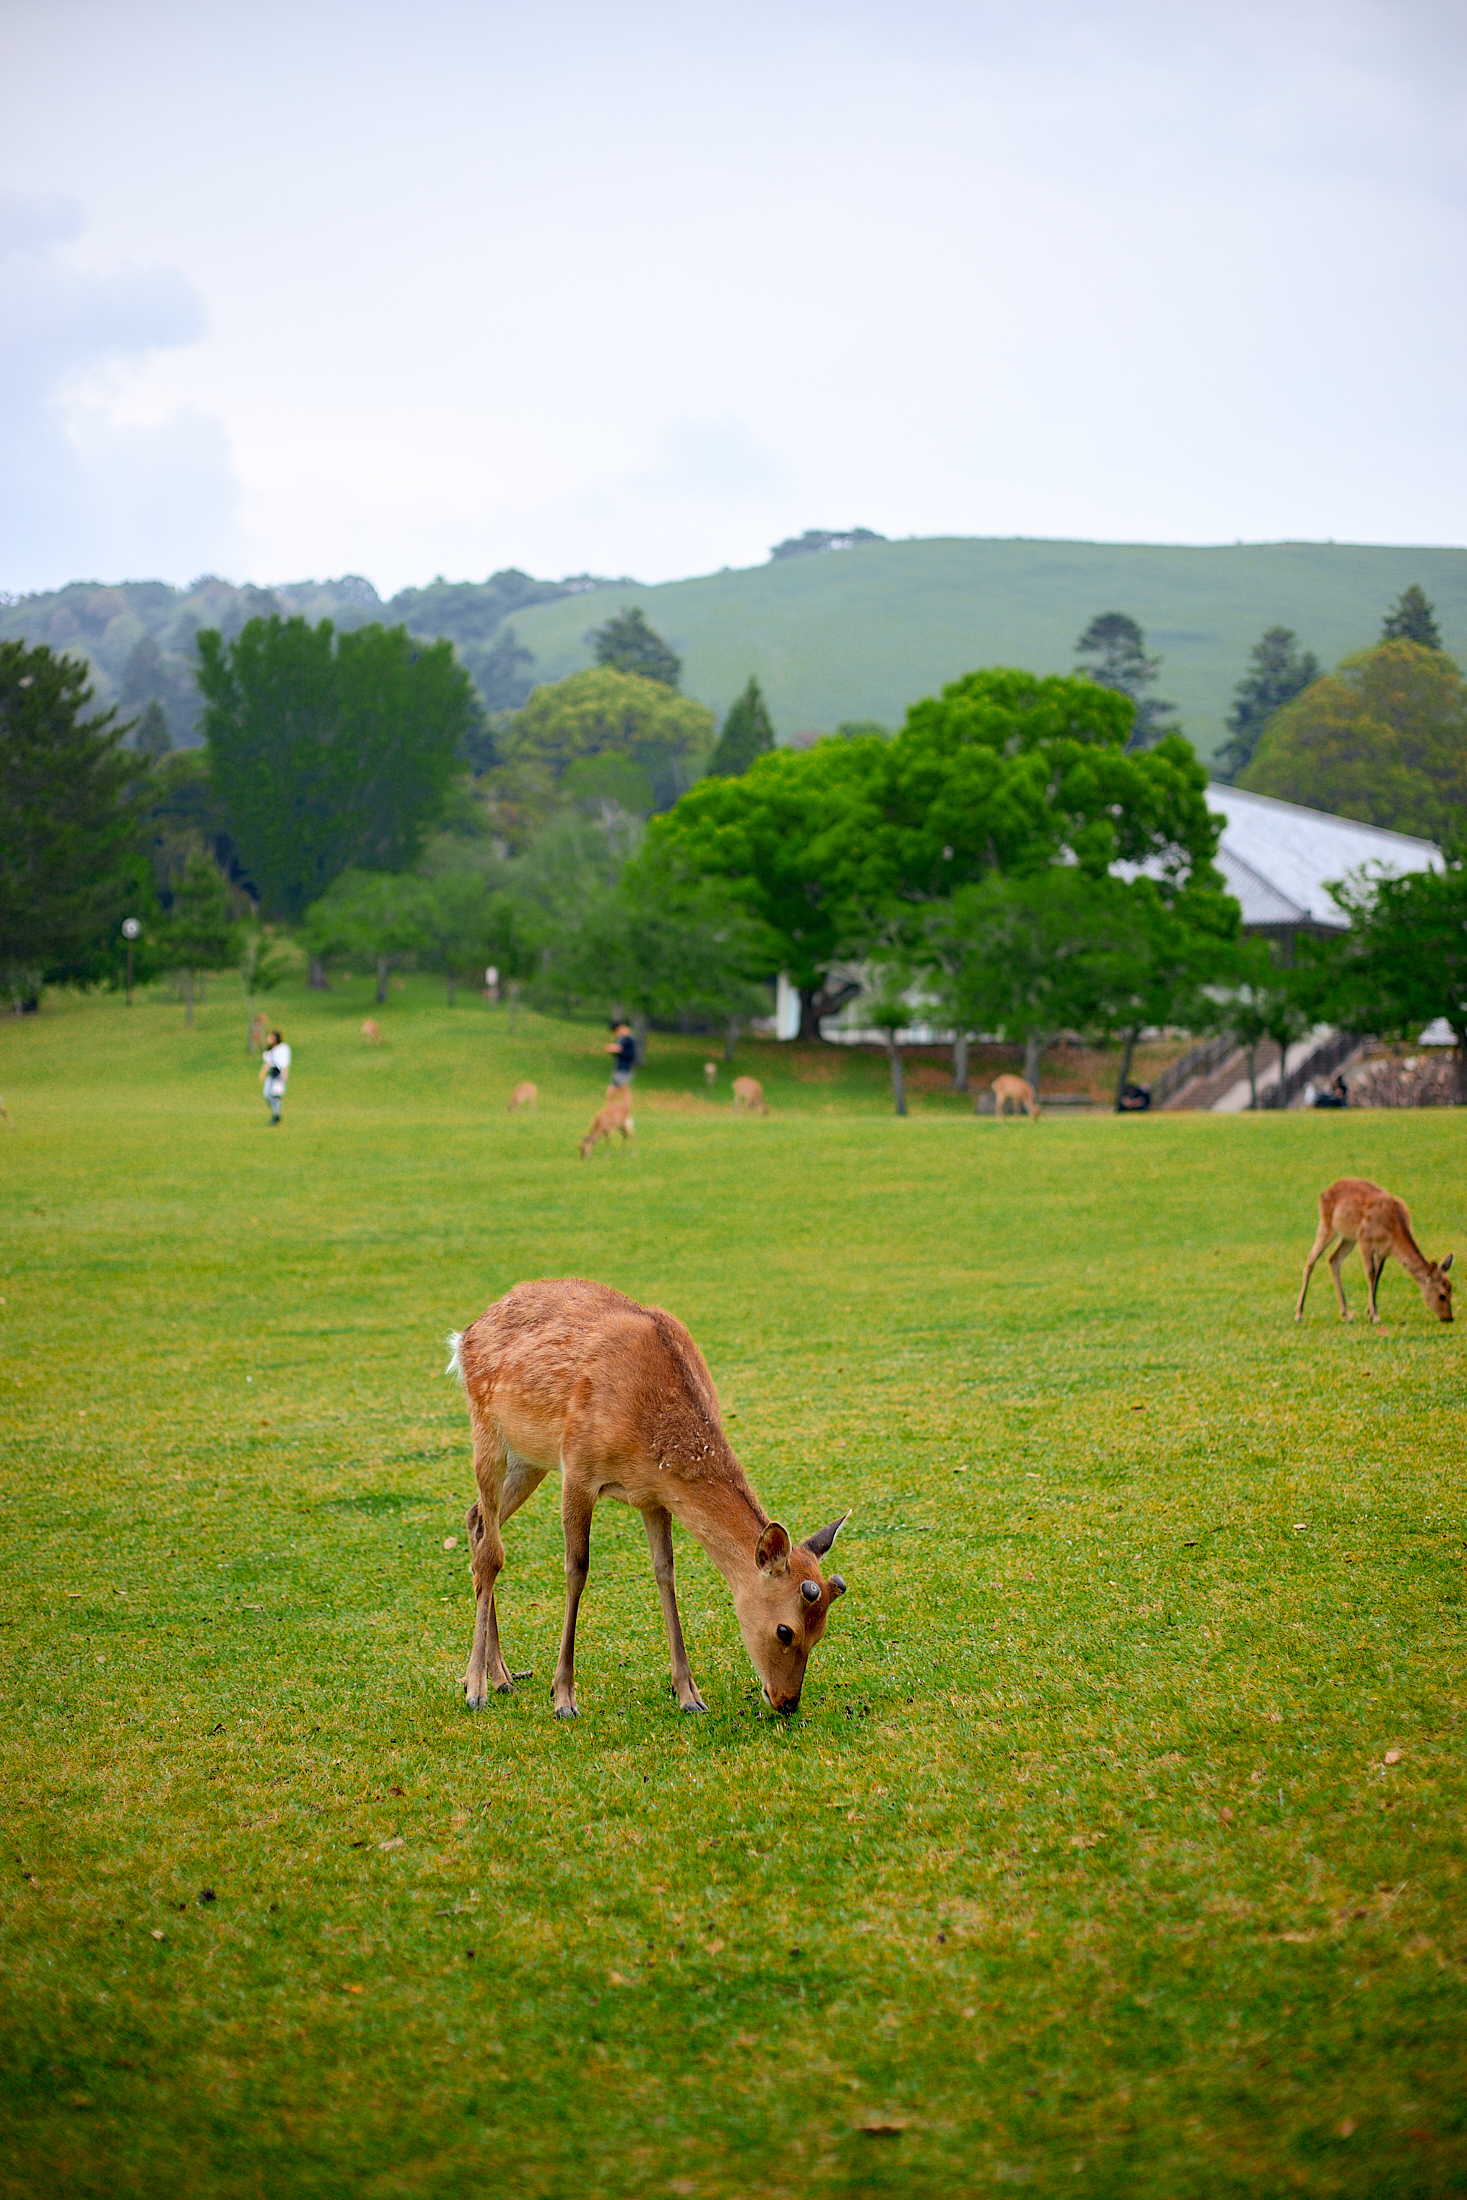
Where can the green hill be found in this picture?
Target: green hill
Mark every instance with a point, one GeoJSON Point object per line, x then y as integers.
{"type": "Point", "coordinates": [857, 633]}
{"type": "Point", "coordinates": [862, 633]}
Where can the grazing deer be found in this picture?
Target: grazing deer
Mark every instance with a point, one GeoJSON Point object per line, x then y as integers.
{"type": "Point", "coordinates": [615, 1115]}
{"type": "Point", "coordinates": [371, 1032]}
{"type": "Point", "coordinates": [748, 1094]}
{"type": "Point", "coordinates": [1020, 1092]}
{"type": "Point", "coordinates": [523, 1096]}
{"type": "Point", "coordinates": [1357, 1211]}
{"type": "Point", "coordinates": [618, 1397]}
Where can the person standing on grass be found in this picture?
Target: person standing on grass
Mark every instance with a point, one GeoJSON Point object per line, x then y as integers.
{"type": "Point", "coordinates": [624, 1047]}
{"type": "Point", "coordinates": [274, 1069]}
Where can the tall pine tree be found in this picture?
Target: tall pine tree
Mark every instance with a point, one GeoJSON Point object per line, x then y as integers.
{"type": "Point", "coordinates": [628, 644]}
{"type": "Point", "coordinates": [747, 733]}
{"type": "Point", "coordinates": [1112, 652]}
{"type": "Point", "coordinates": [1412, 620]}
{"type": "Point", "coordinates": [1278, 670]}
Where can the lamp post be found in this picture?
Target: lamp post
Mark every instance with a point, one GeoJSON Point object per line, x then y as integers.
{"type": "Point", "coordinates": [130, 931]}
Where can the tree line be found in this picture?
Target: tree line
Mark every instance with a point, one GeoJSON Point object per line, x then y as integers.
{"type": "Point", "coordinates": [1023, 857]}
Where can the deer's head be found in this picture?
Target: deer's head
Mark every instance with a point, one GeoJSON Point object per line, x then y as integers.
{"type": "Point", "coordinates": [1436, 1288]}
{"type": "Point", "coordinates": [782, 1603]}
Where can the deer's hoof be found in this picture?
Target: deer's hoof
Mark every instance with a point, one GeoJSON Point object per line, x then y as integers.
{"type": "Point", "coordinates": [502, 1688]}
{"type": "Point", "coordinates": [476, 1702]}
{"type": "Point", "coordinates": [566, 1711]}
{"type": "Point", "coordinates": [697, 1704]}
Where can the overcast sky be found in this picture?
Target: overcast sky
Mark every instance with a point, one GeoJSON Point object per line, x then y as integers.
{"type": "Point", "coordinates": [304, 289]}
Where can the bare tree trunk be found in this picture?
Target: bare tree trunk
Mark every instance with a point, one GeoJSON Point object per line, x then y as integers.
{"type": "Point", "coordinates": [514, 1003]}
{"type": "Point", "coordinates": [383, 966]}
{"type": "Point", "coordinates": [898, 1080]}
{"type": "Point", "coordinates": [730, 1038]}
{"type": "Point", "coordinates": [316, 977]}
{"type": "Point", "coordinates": [1253, 1073]}
{"type": "Point", "coordinates": [1461, 1066]}
{"type": "Point", "coordinates": [1127, 1051]}
{"type": "Point", "coordinates": [639, 1033]}
{"type": "Point", "coordinates": [1033, 1054]}
{"type": "Point", "coordinates": [960, 1062]}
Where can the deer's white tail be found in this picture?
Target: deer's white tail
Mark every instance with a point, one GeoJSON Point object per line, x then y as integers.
{"type": "Point", "coordinates": [454, 1340]}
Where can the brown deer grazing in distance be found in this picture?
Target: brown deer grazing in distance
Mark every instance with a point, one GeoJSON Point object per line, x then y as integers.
{"type": "Point", "coordinates": [1020, 1092]}
{"type": "Point", "coordinates": [523, 1096]}
{"type": "Point", "coordinates": [615, 1115]}
{"type": "Point", "coordinates": [617, 1396]}
{"type": "Point", "coordinates": [1359, 1212]}
{"type": "Point", "coordinates": [748, 1096]}
{"type": "Point", "coordinates": [371, 1032]}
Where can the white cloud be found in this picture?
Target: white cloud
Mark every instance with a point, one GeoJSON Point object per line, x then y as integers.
{"type": "Point", "coordinates": [85, 489]}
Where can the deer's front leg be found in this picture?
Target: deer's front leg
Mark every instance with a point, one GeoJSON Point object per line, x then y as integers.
{"type": "Point", "coordinates": [658, 1523]}
{"type": "Point", "coordinates": [576, 1506]}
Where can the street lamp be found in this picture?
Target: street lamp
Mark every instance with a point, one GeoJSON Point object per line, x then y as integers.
{"type": "Point", "coordinates": [130, 931]}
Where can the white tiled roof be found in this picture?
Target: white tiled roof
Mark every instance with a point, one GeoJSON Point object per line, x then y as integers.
{"type": "Point", "coordinates": [1278, 857]}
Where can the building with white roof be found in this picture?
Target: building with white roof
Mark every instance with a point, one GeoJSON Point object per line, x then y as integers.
{"type": "Point", "coordinates": [1280, 859]}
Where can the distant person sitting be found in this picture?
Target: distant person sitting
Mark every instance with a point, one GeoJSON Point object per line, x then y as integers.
{"type": "Point", "coordinates": [274, 1069]}
{"type": "Point", "coordinates": [1134, 1100]}
{"type": "Point", "coordinates": [1338, 1095]}
{"type": "Point", "coordinates": [624, 1047]}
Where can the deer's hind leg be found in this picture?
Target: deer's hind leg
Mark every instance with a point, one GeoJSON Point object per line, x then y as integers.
{"type": "Point", "coordinates": [1322, 1237]}
{"type": "Point", "coordinates": [486, 1560]}
{"type": "Point", "coordinates": [1374, 1263]}
{"type": "Point", "coordinates": [1341, 1252]}
{"type": "Point", "coordinates": [519, 1480]}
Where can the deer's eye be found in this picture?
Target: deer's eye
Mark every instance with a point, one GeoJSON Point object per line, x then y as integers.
{"type": "Point", "coordinates": [785, 1634]}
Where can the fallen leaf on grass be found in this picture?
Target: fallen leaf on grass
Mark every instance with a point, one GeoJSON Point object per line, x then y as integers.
{"type": "Point", "coordinates": [1300, 1940]}
{"type": "Point", "coordinates": [450, 1543]}
{"type": "Point", "coordinates": [1347, 2127]}
{"type": "Point", "coordinates": [615, 1978]}
{"type": "Point", "coordinates": [883, 2127]}
{"type": "Point", "coordinates": [157, 1932]}
{"type": "Point", "coordinates": [1225, 1815]}
{"type": "Point", "coordinates": [353, 1989]}
{"type": "Point", "coordinates": [1392, 1757]}
{"type": "Point", "coordinates": [397, 1841]}
{"type": "Point", "coordinates": [715, 1947]}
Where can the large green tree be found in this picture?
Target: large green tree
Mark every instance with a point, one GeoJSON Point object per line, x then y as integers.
{"type": "Point", "coordinates": [626, 643]}
{"type": "Point", "coordinates": [198, 934]}
{"type": "Point", "coordinates": [1383, 738]}
{"type": "Point", "coordinates": [1278, 670]}
{"type": "Point", "coordinates": [747, 733]}
{"type": "Point", "coordinates": [67, 868]}
{"type": "Point", "coordinates": [843, 846]}
{"type": "Point", "coordinates": [330, 751]}
{"type": "Point", "coordinates": [371, 917]}
{"type": "Point", "coordinates": [606, 734]}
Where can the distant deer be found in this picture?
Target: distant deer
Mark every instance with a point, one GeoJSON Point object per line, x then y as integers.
{"type": "Point", "coordinates": [573, 1376]}
{"type": "Point", "coordinates": [523, 1096]}
{"type": "Point", "coordinates": [710, 1073]}
{"type": "Point", "coordinates": [1359, 1212]}
{"type": "Point", "coordinates": [1020, 1092]}
{"type": "Point", "coordinates": [371, 1032]}
{"type": "Point", "coordinates": [616, 1115]}
{"type": "Point", "coordinates": [748, 1096]}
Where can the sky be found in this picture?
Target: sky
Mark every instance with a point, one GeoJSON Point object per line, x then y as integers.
{"type": "Point", "coordinates": [300, 290]}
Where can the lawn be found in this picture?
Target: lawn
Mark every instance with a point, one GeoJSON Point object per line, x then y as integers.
{"type": "Point", "coordinates": [1118, 1847]}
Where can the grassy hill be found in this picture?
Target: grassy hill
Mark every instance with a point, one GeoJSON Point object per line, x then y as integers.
{"type": "Point", "coordinates": [847, 634]}
{"type": "Point", "coordinates": [862, 633]}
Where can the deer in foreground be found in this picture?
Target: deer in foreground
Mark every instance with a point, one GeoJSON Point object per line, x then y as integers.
{"type": "Point", "coordinates": [1020, 1092]}
{"type": "Point", "coordinates": [571, 1375]}
{"type": "Point", "coordinates": [614, 1115]}
{"type": "Point", "coordinates": [523, 1096]}
{"type": "Point", "coordinates": [748, 1095]}
{"type": "Point", "coordinates": [1359, 1212]}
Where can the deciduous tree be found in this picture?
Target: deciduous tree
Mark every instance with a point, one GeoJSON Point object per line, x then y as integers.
{"type": "Point", "coordinates": [371, 917]}
{"type": "Point", "coordinates": [1383, 738]}
{"type": "Point", "coordinates": [330, 751]}
{"type": "Point", "coordinates": [1403, 962]}
{"type": "Point", "coordinates": [198, 933]}
{"type": "Point", "coordinates": [618, 722]}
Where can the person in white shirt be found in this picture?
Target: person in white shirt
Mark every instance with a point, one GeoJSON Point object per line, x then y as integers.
{"type": "Point", "coordinates": [274, 1069]}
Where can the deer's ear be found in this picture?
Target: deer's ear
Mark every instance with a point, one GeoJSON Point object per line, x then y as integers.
{"type": "Point", "coordinates": [1446, 1264]}
{"type": "Point", "coordinates": [819, 1543]}
{"type": "Point", "coordinates": [772, 1551]}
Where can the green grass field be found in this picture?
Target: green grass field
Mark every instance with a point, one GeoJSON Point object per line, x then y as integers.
{"type": "Point", "coordinates": [864, 633]}
{"type": "Point", "coordinates": [1118, 1848]}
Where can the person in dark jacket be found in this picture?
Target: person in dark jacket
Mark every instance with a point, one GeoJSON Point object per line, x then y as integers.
{"type": "Point", "coordinates": [624, 1047]}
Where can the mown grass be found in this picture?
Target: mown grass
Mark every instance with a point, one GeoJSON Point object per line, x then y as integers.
{"type": "Point", "coordinates": [1084, 1866]}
